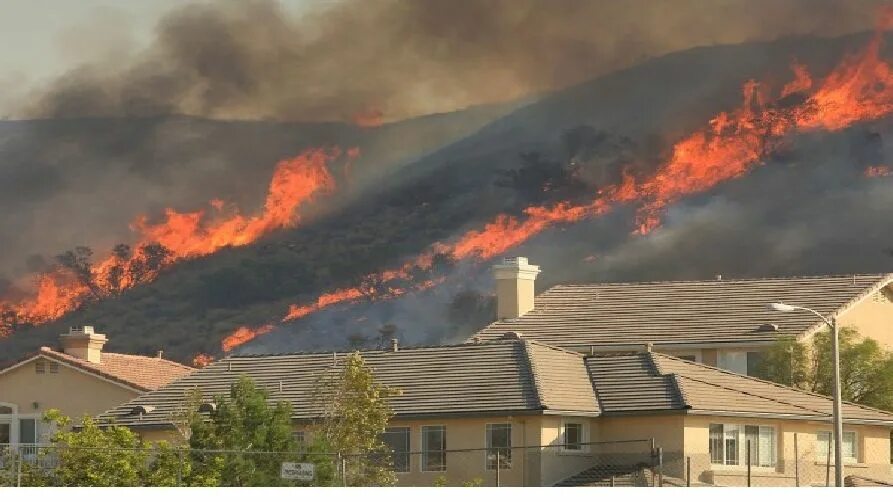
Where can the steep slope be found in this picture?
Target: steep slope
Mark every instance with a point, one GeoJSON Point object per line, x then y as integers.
{"type": "Point", "coordinates": [764, 223]}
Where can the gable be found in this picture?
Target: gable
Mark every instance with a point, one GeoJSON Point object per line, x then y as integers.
{"type": "Point", "coordinates": [873, 317]}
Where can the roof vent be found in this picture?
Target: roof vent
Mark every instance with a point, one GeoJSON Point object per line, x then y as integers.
{"type": "Point", "coordinates": [207, 407]}
{"type": "Point", "coordinates": [476, 339]}
{"type": "Point", "coordinates": [512, 335]}
{"type": "Point", "coordinates": [762, 328]}
{"type": "Point", "coordinates": [649, 347]}
{"type": "Point", "coordinates": [718, 277]}
{"type": "Point", "coordinates": [394, 345]}
{"type": "Point", "coordinates": [141, 409]}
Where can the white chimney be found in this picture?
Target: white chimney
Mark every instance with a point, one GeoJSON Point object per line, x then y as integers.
{"type": "Point", "coordinates": [514, 287]}
{"type": "Point", "coordinates": [83, 343]}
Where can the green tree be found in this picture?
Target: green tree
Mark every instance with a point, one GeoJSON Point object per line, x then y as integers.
{"type": "Point", "coordinates": [244, 441]}
{"type": "Point", "coordinates": [866, 369]}
{"type": "Point", "coordinates": [355, 414]}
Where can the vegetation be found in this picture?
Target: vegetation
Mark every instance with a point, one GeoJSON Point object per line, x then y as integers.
{"type": "Point", "coordinates": [355, 414]}
{"type": "Point", "coordinates": [242, 442]}
{"type": "Point", "coordinates": [866, 369]}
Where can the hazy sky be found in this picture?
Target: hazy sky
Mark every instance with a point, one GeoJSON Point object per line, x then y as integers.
{"type": "Point", "coordinates": [40, 39]}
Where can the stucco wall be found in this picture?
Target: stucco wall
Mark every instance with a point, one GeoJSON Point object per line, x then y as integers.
{"type": "Point", "coordinates": [73, 392]}
{"type": "Point", "coordinates": [872, 444]}
{"type": "Point", "coordinates": [873, 317]}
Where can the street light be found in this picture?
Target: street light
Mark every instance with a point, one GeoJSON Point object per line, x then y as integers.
{"type": "Point", "coordinates": [835, 355]}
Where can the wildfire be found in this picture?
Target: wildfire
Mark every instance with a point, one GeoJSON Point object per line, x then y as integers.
{"type": "Point", "coordinates": [244, 334]}
{"type": "Point", "coordinates": [859, 89]}
{"type": "Point", "coordinates": [877, 171]}
{"type": "Point", "coordinates": [370, 117]}
{"type": "Point", "coordinates": [202, 360]}
{"type": "Point", "coordinates": [295, 182]}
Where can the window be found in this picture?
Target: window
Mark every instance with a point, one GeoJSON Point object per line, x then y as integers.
{"type": "Point", "coordinates": [54, 367]}
{"type": "Point", "coordinates": [433, 448]}
{"type": "Point", "coordinates": [397, 440]}
{"type": "Point", "coordinates": [727, 447]}
{"type": "Point", "coordinates": [5, 410]}
{"type": "Point", "coordinates": [754, 359]}
{"type": "Point", "coordinates": [28, 430]}
{"type": "Point", "coordinates": [40, 367]}
{"type": "Point", "coordinates": [499, 446]}
{"type": "Point", "coordinates": [301, 440]}
{"type": "Point", "coordinates": [572, 437]}
{"type": "Point", "coordinates": [743, 363]}
{"type": "Point", "coordinates": [824, 442]}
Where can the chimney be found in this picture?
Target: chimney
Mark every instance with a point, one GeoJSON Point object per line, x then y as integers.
{"type": "Point", "coordinates": [514, 287]}
{"type": "Point", "coordinates": [83, 343]}
{"type": "Point", "coordinates": [394, 347]}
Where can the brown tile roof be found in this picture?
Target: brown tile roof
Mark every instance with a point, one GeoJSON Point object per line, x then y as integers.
{"type": "Point", "coordinates": [140, 372]}
{"type": "Point", "coordinates": [650, 381]}
{"type": "Point", "coordinates": [498, 377]}
{"type": "Point", "coordinates": [679, 312]}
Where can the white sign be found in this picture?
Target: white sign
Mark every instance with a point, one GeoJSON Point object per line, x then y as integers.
{"type": "Point", "coordinates": [300, 472]}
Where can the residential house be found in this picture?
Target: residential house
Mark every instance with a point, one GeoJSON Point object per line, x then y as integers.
{"type": "Point", "coordinates": [79, 379]}
{"type": "Point", "coordinates": [529, 414]}
{"type": "Point", "coordinates": [721, 322]}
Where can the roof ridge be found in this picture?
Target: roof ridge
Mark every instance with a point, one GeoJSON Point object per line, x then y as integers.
{"type": "Point", "coordinates": [752, 394]}
{"type": "Point", "coordinates": [774, 384]}
{"type": "Point", "coordinates": [674, 379]}
{"type": "Point", "coordinates": [534, 374]}
{"type": "Point", "coordinates": [887, 275]}
{"type": "Point", "coordinates": [558, 349]}
{"type": "Point", "coordinates": [369, 351]}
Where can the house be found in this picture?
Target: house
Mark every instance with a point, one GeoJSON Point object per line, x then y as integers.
{"type": "Point", "coordinates": [80, 379]}
{"type": "Point", "coordinates": [723, 323]}
{"type": "Point", "coordinates": [529, 414]}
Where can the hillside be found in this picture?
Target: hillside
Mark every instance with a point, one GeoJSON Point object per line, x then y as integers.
{"type": "Point", "coordinates": [807, 209]}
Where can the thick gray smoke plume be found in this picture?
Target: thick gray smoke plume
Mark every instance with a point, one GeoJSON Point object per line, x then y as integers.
{"type": "Point", "coordinates": [392, 59]}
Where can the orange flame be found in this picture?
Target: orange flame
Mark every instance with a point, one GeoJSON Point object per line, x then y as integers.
{"type": "Point", "coordinates": [244, 334]}
{"type": "Point", "coordinates": [296, 181]}
{"type": "Point", "coordinates": [877, 171]}
{"type": "Point", "coordinates": [370, 117]}
{"type": "Point", "coordinates": [202, 360]}
{"type": "Point", "coordinates": [734, 142]}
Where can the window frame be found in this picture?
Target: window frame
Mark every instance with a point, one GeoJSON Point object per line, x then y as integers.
{"type": "Point", "coordinates": [740, 453]}
{"type": "Point", "coordinates": [823, 457]}
{"type": "Point", "coordinates": [425, 451]}
{"type": "Point", "coordinates": [582, 447]}
{"type": "Point", "coordinates": [408, 452]}
{"type": "Point", "coordinates": [503, 466]}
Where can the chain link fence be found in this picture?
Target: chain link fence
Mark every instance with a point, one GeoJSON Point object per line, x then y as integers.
{"type": "Point", "coordinates": [804, 462]}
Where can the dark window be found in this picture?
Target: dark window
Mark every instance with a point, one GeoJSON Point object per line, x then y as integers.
{"type": "Point", "coordinates": [54, 367]}
{"type": "Point", "coordinates": [754, 359]}
{"type": "Point", "coordinates": [28, 430]}
{"type": "Point", "coordinates": [433, 448]}
{"type": "Point", "coordinates": [573, 437]}
{"type": "Point", "coordinates": [40, 367]}
{"type": "Point", "coordinates": [499, 445]}
{"type": "Point", "coordinates": [397, 441]}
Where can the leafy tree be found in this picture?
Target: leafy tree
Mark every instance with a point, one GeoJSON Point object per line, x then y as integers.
{"type": "Point", "coordinates": [77, 261]}
{"type": "Point", "coordinates": [245, 440]}
{"type": "Point", "coordinates": [866, 369]}
{"type": "Point", "coordinates": [355, 414]}
{"type": "Point", "coordinates": [101, 456]}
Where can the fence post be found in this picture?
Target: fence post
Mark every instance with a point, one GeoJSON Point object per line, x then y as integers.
{"type": "Point", "coordinates": [612, 480]}
{"type": "Point", "coordinates": [20, 459]}
{"type": "Point", "coordinates": [796, 462]}
{"type": "Point", "coordinates": [497, 467]}
{"type": "Point", "coordinates": [343, 470]}
{"type": "Point", "coordinates": [660, 466]}
{"type": "Point", "coordinates": [828, 462]}
{"type": "Point", "coordinates": [180, 466]}
{"type": "Point", "coordinates": [688, 471]}
{"type": "Point", "coordinates": [748, 463]}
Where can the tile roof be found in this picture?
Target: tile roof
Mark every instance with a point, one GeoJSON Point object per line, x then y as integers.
{"type": "Point", "coordinates": [650, 381]}
{"type": "Point", "coordinates": [718, 311]}
{"type": "Point", "coordinates": [501, 377]}
{"type": "Point", "coordinates": [140, 372]}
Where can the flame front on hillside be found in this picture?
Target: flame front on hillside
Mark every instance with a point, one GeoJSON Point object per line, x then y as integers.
{"type": "Point", "coordinates": [295, 182]}
{"type": "Point", "coordinates": [859, 89]}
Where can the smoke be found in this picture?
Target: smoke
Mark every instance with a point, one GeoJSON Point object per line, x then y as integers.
{"type": "Point", "coordinates": [399, 58]}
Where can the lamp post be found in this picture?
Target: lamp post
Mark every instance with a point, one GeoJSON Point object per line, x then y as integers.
{"type": "Point", "coordinates": [835, 356]}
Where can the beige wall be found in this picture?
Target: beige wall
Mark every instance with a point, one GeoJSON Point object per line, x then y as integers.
{"type": "Point", "coordinates": [873, 317]}
{"type": "Point", "coordinates": [872, 444]}
{"type": "Point", "coordinates": [73, 392]}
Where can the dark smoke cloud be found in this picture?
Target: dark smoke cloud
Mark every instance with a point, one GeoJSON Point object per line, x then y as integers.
{"type": "Point", "coordinates": [409, 57]}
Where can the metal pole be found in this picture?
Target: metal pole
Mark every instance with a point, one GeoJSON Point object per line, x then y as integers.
{"type": "Point", "coordinates": [612, 480]}
{"type": "Point", "coordinates": [343, 470]}
{"type": "Point", "coordinates": [828, 465]}
{"type": "Point", "coordinates": [497, 467]}
{"type": "Point", "coordinates": [796, 462]}
{"type": "Point", "coordinates": [838, 419]}
{"type": "Point", "coordinates": [748, 463]}
{"type": "Point", "coordinates": [180, 466]}
{"type": "Point", "coordinates": [687, 471]}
